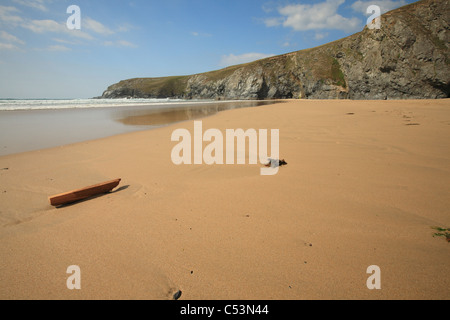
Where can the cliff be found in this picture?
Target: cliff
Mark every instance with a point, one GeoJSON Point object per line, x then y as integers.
{"type": "Point", "coordinates": [408, 58]}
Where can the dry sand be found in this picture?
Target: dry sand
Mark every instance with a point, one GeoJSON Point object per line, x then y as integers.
{"type": "Point", "coordinates": [359, 189]}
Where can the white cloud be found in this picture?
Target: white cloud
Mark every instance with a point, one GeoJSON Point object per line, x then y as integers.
{"type": "Point", "coordinates": [95, 26]}
{"type": "Point", "coordinates": [385, 5]}
{"type": "Point", "coordinates": [54, 48]}
{"type": "Point", "coordinates": [10, 38]}
{"type": "Point", "coordinates": [320, 36]}
{"type": "Point", "coordinates": [58, 47]}
{"type": "Point", "coordinates": [51, 26]}
{"type": "Point", "coordinates": [119, 43]}
{"type": "Point", "coordinates": [8, 46]}
{"type": "Point", "coordinates": [268, 6]}
{"type": "Point", "coordinates": [44, 26]}
{"type": "Point", "coordinates": [65, 41]}
{"type": "Point", "coordinates": [8, 16]}
{"type": "Point", "coordinates": [124, 43]}
{"type": "Point", "coordinates": [36, 4]}
{"type": "Point", "coordinates": [302, 17]}
{"type": "Point", "coordinates": [125, 27]}
{"type": "Point", "coordinates": [273, 22]}
{"type": "Point", "coordinates": [231, 59]}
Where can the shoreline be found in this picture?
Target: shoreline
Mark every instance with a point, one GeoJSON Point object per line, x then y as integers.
{"type": "Point", "coordinates": [31, 130]}
{"type": "Point", "coordinates": [363, 186]}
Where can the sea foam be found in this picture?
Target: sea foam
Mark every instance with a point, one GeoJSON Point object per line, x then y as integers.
{"type": "Point", "coordinates": [48, 104]}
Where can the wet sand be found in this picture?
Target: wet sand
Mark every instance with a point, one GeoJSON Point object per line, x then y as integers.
{"type": "Point", "coordinates": [365, 183]}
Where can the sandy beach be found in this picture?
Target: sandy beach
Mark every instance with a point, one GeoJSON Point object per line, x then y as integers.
{"type": "Point", "coordinates": [365, 184]}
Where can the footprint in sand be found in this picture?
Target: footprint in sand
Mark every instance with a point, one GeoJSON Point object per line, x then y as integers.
{"type": "Point", "coordinates": [408, 119]}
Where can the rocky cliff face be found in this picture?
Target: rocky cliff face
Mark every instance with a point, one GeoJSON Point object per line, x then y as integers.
{"type": "Point", "coordinates": [408, 58]}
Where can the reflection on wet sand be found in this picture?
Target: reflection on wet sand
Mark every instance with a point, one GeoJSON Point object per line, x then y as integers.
{"type": "Point", "coordinates": [168, 115]}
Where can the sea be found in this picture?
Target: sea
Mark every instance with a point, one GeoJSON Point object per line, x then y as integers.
{"type": "Point", "coordinates": [34, 124]}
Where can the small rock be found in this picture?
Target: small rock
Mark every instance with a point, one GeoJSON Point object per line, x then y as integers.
{"type": "Point", "coordinates": [276, 163]}
{"type": "Point", "coordinates": [177, 295]}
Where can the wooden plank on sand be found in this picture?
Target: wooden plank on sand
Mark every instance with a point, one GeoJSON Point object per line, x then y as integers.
{"type": "Point", "coordinates": [84, 193]}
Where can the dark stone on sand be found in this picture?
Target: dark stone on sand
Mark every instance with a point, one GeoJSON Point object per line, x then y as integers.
{"type": "Point", "coordinates": [276, 163]}
{"type": "Point", "coordinates": [177, 295]}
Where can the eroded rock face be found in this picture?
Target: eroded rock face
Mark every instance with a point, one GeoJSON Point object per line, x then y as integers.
{"type": "Point", "coordinates": [408, 58]}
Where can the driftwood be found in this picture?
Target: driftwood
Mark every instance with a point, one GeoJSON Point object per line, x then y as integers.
{"type": "Point", "coordinates": [84, 193]}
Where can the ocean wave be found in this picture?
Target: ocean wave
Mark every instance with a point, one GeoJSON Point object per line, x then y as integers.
{"type": "Point", "coordinates": [44, 104]}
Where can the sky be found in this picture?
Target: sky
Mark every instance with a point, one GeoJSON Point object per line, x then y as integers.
{"type": "Point", "coordinates": [44, 55]}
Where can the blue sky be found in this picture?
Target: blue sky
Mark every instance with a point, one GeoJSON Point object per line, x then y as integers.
{"type": "Point", "coordinates": [41, 58]}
